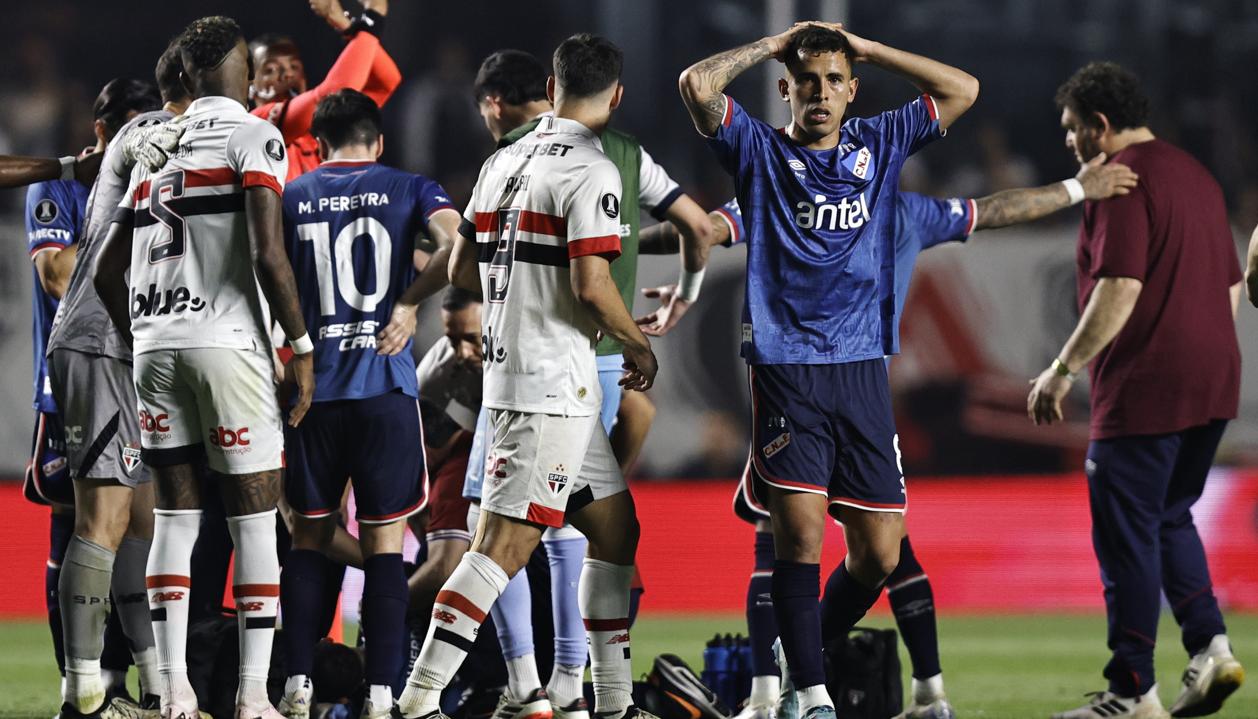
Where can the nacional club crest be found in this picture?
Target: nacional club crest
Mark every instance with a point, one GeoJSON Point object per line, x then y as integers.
{"type": "Point", "coordinates": [860, 163]}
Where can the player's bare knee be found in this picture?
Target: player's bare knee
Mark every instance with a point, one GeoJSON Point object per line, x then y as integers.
{"type": "Point", "coordinates": [383, 538]}
{"type": "Point", "coordinates": [313, 533]}
{"type": "Point", "coordinates": [508, 542]}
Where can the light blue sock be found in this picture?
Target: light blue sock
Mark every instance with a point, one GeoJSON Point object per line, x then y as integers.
{"type": "Point", "coordinates": [566, 557]}
{"type": "Point", "coordinates": [513, 617]}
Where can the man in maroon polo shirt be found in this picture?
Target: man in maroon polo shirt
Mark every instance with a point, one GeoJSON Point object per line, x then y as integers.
{"type": "Point", "coordinates": [1159, 284]}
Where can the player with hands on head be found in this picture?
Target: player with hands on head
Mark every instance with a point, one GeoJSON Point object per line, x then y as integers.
{"type": "Point", "coordinates": [200, 239]}
{"type": "Point", "coordinates": [537, 240]}
{"type": "Point", "coordinates": [810, 196]}
{"type": "Point", "coordinates": [349, 214]}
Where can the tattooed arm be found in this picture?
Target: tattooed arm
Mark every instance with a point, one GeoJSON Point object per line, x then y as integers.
{"type": "Point", "coordinates": [702, 84]}
{"type": "Point", "coordinates": [1012, 207]}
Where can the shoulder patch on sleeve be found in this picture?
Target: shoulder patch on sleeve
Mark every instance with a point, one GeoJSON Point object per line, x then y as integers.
{"type": "Point", "coordinates": [275, 149]}
{"type": "Point", "coordinates": [610, 204]}
{"type": "Point", "coordinates": [46, 211]}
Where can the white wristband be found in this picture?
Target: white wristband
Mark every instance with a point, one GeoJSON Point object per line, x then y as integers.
{"type": "Point", "coordinates": [302, 345]}
{"type": "Point", "coordinates": [689, 284]}
{"type": "Point", "coordinates": [67, 167]}
{"type": "Point", "coordinates": [1074, 188]}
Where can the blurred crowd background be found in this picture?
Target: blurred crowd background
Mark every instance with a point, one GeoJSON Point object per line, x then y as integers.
{"type": "Point", "coordinates": [981, 319]}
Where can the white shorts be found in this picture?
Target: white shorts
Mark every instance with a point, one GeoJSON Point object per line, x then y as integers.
{"type": "Point", "coordinates": [541, 466]}
{"type": "Point", "coordinates": [552, 534]}
{"type": "Point", "coordinates": [219, 404]}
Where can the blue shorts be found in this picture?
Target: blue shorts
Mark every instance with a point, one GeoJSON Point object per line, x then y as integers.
{"type": "Point", "coordinates": [377, 442]}
{"type": "Point", "coordinates": [47, 479]}
{"type": "Point", "coordinates": [610, 371]}
{"type": "Point", "coordinates": [827, 429]}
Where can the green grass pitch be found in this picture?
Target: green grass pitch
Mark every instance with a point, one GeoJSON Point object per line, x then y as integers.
{"type": "Point", "coordinates": [997, 667]}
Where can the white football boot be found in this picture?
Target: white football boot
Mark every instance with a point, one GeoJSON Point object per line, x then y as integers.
{"type": "Point", "coordinates": [1108, 705]}
{"type": "Point", "coordinates": [1211, 677]}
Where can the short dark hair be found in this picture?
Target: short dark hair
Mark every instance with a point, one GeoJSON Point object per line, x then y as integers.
{"type": "Point", "coordinates": [167, 74]}
{"type": "Point", "coordinates": [119, 98]}
{"type": "Point", "coordinates": [457, 298]}
{"type": "Point", "coordinates": [586, 64]}
{"type": "Point", "coordinates": [1106, 88]}
{"type": "Point", "coordinates": [514, 75]}
{"type": "Point", "coordinates": [815, 39]}
{"type": "Point", "coordinates": [347, 117]}
{"type": "Point", "coordinates": [207, 41]}
{"type": "Point", "coordinates": [275, 43]}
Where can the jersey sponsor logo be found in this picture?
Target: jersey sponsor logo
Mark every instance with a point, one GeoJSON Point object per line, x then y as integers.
{"type": "Point", "coordinates": [46, 211]}
{"type": "Point", "coordinates": [557, 479]}
{"type": "Point", "coordinates": [233, 441]}
{"type": "Point", "coordinates": [40, 234]}
{"type": "Point", "coordinates": [157, 302]}
{"type": "Point", "coordinates": [537, 150]}
{"type": "Point", "coordinates": [275, 150]}
{"type": "Point", "coordinates": [492, 349]}
{"type": "Point", "coordinates": [343, 203]}
{"type": "Point", "coordinates": [130, 458]}
{"type": "Point", "coordinates": [610, 205]}
{"type": "Point", "coordinates": [357, 335]}
{"type": "Point", "coordinates": [778, 444]}
{"type": "Point", "coordinates": [150, 422]}
{"type": "Point", "coordinates": [822, 214]}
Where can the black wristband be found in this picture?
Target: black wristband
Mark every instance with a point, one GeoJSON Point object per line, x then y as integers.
{"type": "Point", "coordinates": [370, 21]}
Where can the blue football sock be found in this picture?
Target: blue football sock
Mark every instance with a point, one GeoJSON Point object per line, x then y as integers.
{"type": "Point", "coordinates": [513, 617]}
{"type": "Point", "coordinates": [301, 601]}
{"type": "Point", "coordinates": [384, 616]}
{"type": "Point", "coordinates": [794, 594]}
{"type": "Point", "coordinates": [913, 603]}
{"type": "Point", "coordinates": [566, 557]}
{"type": "Point", "coordinates": [762, 625]}
{"type": "Point", "coordinates": [844, 603]}
{"type": "Point", "coordinates": [59, 533]}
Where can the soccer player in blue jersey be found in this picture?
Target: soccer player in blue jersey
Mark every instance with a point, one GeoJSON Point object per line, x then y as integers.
{"type": "Point", "coordinates": [920, 223]}
{"type": "Point", "coordinates": [818, 200]}
{"type": "Point", "coordinates": [350, 227]}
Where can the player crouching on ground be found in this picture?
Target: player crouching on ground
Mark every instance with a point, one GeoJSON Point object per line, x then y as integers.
{"type": "Point", "coordinates": [537, 239]}
{"type": "Point", "coordinates": [340, 219]}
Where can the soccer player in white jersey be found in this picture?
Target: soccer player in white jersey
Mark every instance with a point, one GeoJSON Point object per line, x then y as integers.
{"type": "Point", "coordinates": [537, 239]}
{"type": "Point", "coordinates": [200, 239]}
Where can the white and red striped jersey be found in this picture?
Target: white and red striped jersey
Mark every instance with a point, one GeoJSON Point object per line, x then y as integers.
{"type": "Point", "coordinates": [192, 278]}
{"type": "Point", "coordinates": [540, 202]}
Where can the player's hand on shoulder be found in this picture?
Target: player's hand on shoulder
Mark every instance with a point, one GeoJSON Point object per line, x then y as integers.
{"type": "Point", "coordinates": [640, 367]}
{"type": "Point", "coordinates": [393, 338]}
{"type": "Point", "coordinates": [151, 146]}
{"type": "Point", "coordinates": [670, 312]}
{"type": "Point", "coordinates": [301, 370]}
{"type": "Point", "coordinates": [1101, 181]}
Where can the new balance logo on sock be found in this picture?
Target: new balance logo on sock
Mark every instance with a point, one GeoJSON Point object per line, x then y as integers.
{"type": "Point", "coordinates": [167, 596]}
{"type": "Point", "coordinates": [618, 639]}
{"type": "Point", "coordinates": [442, 615]}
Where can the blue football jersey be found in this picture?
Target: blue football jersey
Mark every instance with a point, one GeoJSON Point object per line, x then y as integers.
{"type": "Point", "coordinates": [820, 284]}
{"type": "Point", "coordinates": [54, 217]}
{"type": "Point", "coordinates": [921, 223]}
{"type": "Point", "coordinates": [350, 230]}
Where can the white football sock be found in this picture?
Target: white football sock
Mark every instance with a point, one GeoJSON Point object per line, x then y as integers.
{"type": "Point", "coordinates": [813, 696]}
{"type": "Point", "coordinates": [256, 588]}
{"type": "Point", "coordinates": [604, 598]}
{"type": "Point", "coordinates": [522, 676]}
{"type": "Point", "coordinates": [765, 690]}
{"type": "Point", "coordinates": [565, 684]}
{"type": "Point", "coordinates": [461, 606]}
{"type": "Point", "coordinates": [168, 581]}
